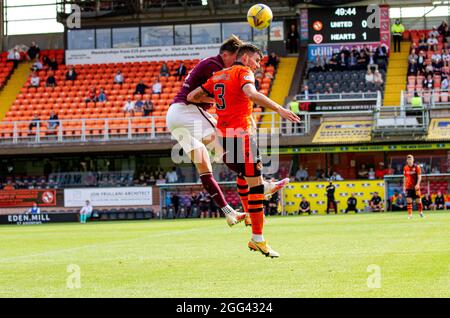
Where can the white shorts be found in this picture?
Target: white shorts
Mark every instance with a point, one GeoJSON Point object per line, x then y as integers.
{"type": "Point", "coordinates": [189, 125]}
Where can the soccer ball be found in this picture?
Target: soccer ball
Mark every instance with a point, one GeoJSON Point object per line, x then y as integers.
{"type": "Point", "coordinates": [259, 16]}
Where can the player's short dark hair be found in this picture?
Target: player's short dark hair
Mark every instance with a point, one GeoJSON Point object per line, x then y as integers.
{"type": "Point", "coordinates": [248, 48]}
{"type": "Point", "coordinates": [231, 44]}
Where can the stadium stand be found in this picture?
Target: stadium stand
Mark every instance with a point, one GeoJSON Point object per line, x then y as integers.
{"type": "Point", "coordinates": [348, 72]}
{"type": "Point", "coordinates": [6, 68]}
{"type": "Point", "coordinates": [68, 98]}
{"type": "Point", "coordinates": [428, 67]}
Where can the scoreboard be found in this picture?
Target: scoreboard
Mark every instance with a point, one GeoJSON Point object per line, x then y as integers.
{"type": "Point", "coordinates": [341, 25]}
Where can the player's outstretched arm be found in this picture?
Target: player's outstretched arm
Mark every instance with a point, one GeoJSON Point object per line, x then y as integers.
{"type": "Point", "coordinates": [198, 95]}
{"type": "Point", "coordinates": [264, 101]}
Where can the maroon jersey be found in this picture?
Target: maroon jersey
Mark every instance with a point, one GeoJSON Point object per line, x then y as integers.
{"type": "Point", "coordinates": [197, 77]}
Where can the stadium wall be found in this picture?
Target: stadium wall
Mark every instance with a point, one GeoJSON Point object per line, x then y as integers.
{"type": "Point", "coordinates": [315, 193]}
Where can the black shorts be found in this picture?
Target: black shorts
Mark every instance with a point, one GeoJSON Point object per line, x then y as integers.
{"type": "Point", "coordinates": [413, 194]}
{"type": "Point", "coordinates": [242, 155]}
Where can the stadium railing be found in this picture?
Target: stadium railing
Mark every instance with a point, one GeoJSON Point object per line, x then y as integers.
{"type": "Point", "coordinates": [433, 99]}
{"type": "Point", "coordinates": [113, 129]}
{"type": "Point", "coordinates": [395, 120]}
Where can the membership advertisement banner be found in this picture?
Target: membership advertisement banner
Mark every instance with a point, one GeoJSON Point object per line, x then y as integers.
{"type": "Point", "coordinates": [26, 198]}
{"type": "Point", "coordinates": [101, 197]}
{"type": "Point", "coordinates": [141, 54]}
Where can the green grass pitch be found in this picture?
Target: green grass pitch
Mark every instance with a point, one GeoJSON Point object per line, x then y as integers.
{"type": "Point", "coordinates": [321, 256]}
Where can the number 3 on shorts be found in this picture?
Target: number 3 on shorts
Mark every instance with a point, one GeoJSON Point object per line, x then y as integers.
{"type": "Point", "coordinates": [221, 95]}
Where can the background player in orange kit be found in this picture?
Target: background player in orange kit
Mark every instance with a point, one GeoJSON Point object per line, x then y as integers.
{"type": "Point", "coordinates": [411, 185]}
{"type": "Point", "coordinates": [233, 90]}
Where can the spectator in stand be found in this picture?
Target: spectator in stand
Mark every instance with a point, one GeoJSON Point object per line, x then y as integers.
{"type": "Point", "coordinates": [102, 96]}
{"type": "Point", "coordinates": [53, 121]}
{"type": "Point", "coordinates": [164, 70]}
{"type": "Point", "coordinates": [442, 27]}
{"type": "Point", "coordinates": [139, 105]}
{"type": "Point", "coordinates": [46, 61]}
{"type": "Point", "coordinates": [37, 66]}
{"type": "Point", "coordinates": [445, 57]}
{"type": "Point", "coordinates": [342, 61]}
{"type": "Point", "coordinates": [273, 204]}
{"type": "Point", "coordinates": [293, 38]}
{"type": "Point", "coordinates": [33, 51]}
{"type": "Point", "coordinates": [35, 80]}
{"type": "Point", "coordinates": [362, 60]}
{"type": "Point", "coordinates": [273, 60]}
{"type": "Point", "coordinates": [371, 174]}
{"type": "Point", "coordinates": [157, 87]}
{"type": "Point", "coordinates": [434, 32]}
{"type": "Point", "coordinates": [128, 108]}
{"type": "Point", "coordinates": [397, 30]}
{"type": "Point", "coordinates": [400, 203]}
{"type": "Point", "coordinates": [351, 204]}
{"type": "Point", "coordinates": [427, 203]}
{"type": "Point", "coordinates": [332, 63]}
{"type": "Point", "coordinates": [428, 67]}
{"type": "Point", "coordinates": [92, 96]}
{"type": "Point", "coordinates": [148, 108]}
{"type": "Point", "coordinates": [51, 81]}
{"type": "Point", "coordinates": [172, 176]}
{"type": "Point", "coordinates": [423, 44]}
{"type": "Point", "coordinates": [369, 76]}
{"type": "Point", "coordinates": [352, 62]}
{"type": "Point", "coordinates": [118, 78]}
{"type": "Point", "coordinates": [446, 34]}
{"type": "Point", "coordinates": [439, 201]}
{"type": "Point", "coordinates": [71, 75]}
{"type": "Point", "coordinates": [140, 88]}
{"type": "Point", "coordinates": [378, 78]}
{"type": "Point", "coordinates": [428, 83]}
{"type": "Point", "coordinates": [444, 83]}
{"type": "Point", "coordinates": [13, 56]}
{"type": "Point", "coordinates": [421, 62]}
{"type": "Point", "coordinates": [380, 171]}
{"type": "Point", "coordinates": [432, 42]}
{"type": "Point", "coordinates": [436, 61]}
{"type": "Point", "coordinates": [376, 203]}
{"type": "Point", "coordinates": [181, 71]}
{"type": "Point", "coordinates": [53, 65]}
{"type": "Point", "coordinates": [413, 68]}
{"type": "Point", "coordinates": [362, 172]}
{"type": "Point", "coordinates": [304, 207]}
{"type": "Point", "coordinates": [319, 64]}
{"type": "Point", "coordinates": [34, 122]}
{"type": "Point", "coordinates": [336, 177]}
{"type": "Point", "coordinates": [301, 174]}
{"type": "Point", "coordinates": [381, 56]}
{"type": "Point", "coordinates": [413, 56]}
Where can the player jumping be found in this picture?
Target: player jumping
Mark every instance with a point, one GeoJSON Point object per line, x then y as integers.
{"type": "Point", "coordinates": [233, 90]}
{"type": "Point", "coordinates": [194, 128]}
{"type": "Point", "coordinates": [411, 185]}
